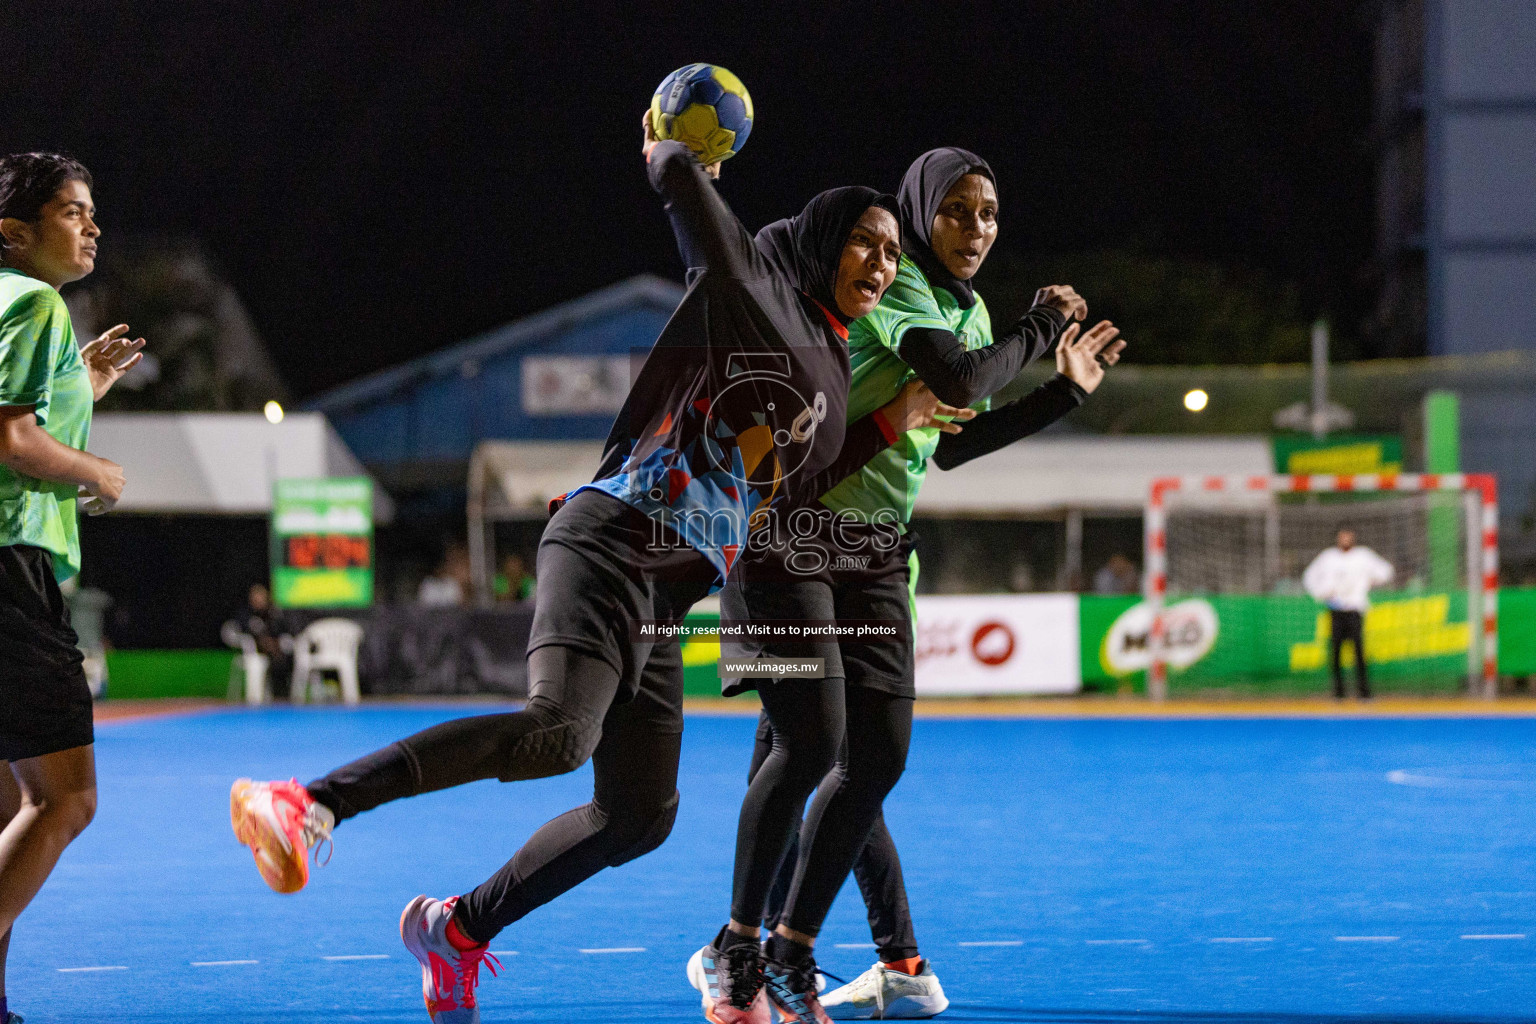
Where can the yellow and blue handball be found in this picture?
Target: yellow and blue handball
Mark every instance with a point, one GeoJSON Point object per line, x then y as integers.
{"type": "Point", "coordinates": [704, 107]}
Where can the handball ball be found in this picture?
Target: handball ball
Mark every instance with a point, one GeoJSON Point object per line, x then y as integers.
{"type": "Point", "coordinates": [704, 107]}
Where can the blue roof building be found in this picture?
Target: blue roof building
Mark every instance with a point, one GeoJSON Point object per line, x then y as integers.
{"type": "Point", "coordinates": [560, 374]}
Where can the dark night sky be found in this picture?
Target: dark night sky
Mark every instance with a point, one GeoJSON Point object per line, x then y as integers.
{"type": "Point", "coordinates": [380, 180]}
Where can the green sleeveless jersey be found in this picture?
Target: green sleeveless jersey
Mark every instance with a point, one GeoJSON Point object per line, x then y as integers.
{"type": "Point", "coordinates": [890, 481]}
{"type": "Point", "coordinates": [40, 366]}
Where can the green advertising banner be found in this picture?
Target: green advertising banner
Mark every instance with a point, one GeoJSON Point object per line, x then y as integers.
{"type": "Point", "coordinates": [1276, 643]}
{"type": "Point", "coordinates": [322, 543]}
{"type": "Point", "coordinates": [701, 656]}
{"type": "Point", "coordinates": [1351, 454]}
{"type": "Point", "coordinates": [1517, 631]}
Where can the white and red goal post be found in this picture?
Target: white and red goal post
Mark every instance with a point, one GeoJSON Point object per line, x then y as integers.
{"type": "Point", "coordinates": [1480, 493]}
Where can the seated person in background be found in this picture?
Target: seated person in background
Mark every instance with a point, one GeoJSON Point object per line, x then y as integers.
{"type": "Point", "coordinates": [1117, 576]}
{"type": "Point", "coordinates": [514, 582]}
{"type": "Point", "coordinates": [268, 626]}
{"type": "Point", "coordinates": [449, 585]}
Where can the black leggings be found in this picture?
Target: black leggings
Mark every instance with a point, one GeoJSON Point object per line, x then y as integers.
{"type": "Point", "coordinates": [570, 717]}
{"type": "Point", "coordinates": [877, 872]}
{"type": "Point", "coordinates": [812, 720]}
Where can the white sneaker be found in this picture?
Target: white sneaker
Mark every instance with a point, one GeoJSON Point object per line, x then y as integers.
{"type": "Point", "coordinates": [449, 976]}
{"type": "Point", "coordinates": [281, 823]}
{"type": "Point", "coordinates": [881, 994]}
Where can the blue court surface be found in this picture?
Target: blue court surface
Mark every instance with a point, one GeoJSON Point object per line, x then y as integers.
{"type": "Point", "coordinates": [1060, 870]}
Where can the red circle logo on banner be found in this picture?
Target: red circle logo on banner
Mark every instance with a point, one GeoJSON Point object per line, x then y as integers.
{"type": "Point", "coordinates": [992, 643]}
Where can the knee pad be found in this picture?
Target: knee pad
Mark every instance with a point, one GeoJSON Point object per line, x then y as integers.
{"type": "Point", "coordinates": [555, 744]}
{"type": "Point", "coordinates": [656, 832]}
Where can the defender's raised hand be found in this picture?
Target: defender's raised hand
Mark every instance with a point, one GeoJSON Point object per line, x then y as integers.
{"type": "Point", "coordinates": [1084, 357]}
{"type": "Point", "coordinates": [1064, 299]}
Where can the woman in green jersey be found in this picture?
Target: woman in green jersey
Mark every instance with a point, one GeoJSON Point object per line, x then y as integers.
{"type": "Point", "coordinates": [48, 385]}
{"type": "Point", "coordinates": [931, 325]}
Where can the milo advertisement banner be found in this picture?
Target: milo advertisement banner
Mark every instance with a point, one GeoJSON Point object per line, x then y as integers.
{"type": "Point", "coordinates": [1338, 453]}
{"type": "Point", "coordinates": [1190, 629]}
{"type": "Point", "coordinates": [1267, 639]}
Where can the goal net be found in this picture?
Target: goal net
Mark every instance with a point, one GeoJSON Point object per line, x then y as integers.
{"type": "Point", "coordinates": [1226, 559]}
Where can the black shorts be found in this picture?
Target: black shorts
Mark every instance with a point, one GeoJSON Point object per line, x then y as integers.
{"type": "Point", "coordinates": [45, 703]}
{"type": "Point", "coordinates": [850, 592]}
{"type": "Point", "coordinates": [604, 567]}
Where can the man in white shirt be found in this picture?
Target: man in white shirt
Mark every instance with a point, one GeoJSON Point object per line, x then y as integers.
{"type": "Point", "coordinates": [1342, 578]}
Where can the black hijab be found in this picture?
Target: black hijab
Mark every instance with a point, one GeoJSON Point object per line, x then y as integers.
{"type": "Point", "coordinates": [807, 247]}
{"type": "Point", "coordinates": [923, 188]}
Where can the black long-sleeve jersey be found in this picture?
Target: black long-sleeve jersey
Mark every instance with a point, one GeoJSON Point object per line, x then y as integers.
{"type": "Point", "coordinates": [740, 406]}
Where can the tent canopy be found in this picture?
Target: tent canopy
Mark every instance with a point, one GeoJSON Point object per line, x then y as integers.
{"type": "Point", "coordinates": [558, 375]}
{"type": "Point", "coordinates": [1045, 475]}
{"type": "Point", "coordinates": [516, 479]}
{"type": "Point", "coordinates": [221, 462]}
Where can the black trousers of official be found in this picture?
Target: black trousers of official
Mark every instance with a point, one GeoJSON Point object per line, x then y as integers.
{"type": "Point", "coordinates": [1348, 626]}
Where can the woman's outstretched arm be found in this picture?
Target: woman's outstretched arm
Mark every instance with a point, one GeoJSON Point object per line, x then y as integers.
{"type": "Point", "coordinates": [1080, 363]}
{"type": "Point", "coordinates": [709, 237]}
{"type": "Point", "coordinates": [962, 377]}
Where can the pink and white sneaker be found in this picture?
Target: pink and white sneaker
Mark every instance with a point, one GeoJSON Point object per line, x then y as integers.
{"type": "Point", "coordinates": [449, 975]}
{"type": "Point", "coordinates": [280, 822]}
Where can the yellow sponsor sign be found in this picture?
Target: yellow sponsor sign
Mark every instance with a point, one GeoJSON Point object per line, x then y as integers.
{"type": "Point", "coordinates": [1416, 627]}
{"type": "Point", "coordinates": [1344, 460]}
{"type": "Point", "coordinates": [701, 651]}
{"type": "Point", "coordinates": [327, 587]}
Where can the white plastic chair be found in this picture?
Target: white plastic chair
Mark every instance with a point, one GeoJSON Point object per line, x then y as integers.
{"type": "Point", "coordinates": [250, 663]}
{"type": "Point", "coordinates": [327, 644]}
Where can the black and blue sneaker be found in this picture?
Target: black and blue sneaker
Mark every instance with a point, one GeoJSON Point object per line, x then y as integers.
{"type": "Point", "coordinates": [791, 987]}
{"type": "Point", "coordinates": [730, 982]}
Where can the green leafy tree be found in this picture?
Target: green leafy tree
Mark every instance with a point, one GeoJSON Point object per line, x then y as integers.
{"type": "Point", "coordinates": [204, 354]}
{"type": "Point", "coordinates": [1173, 310]}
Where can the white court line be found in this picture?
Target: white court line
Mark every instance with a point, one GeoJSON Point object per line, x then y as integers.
{"type": "Point", "coordinates": [81, 970]}
{"type": "Point", "coordinates": [855, 945]}
{"type": "Point", "coordinates": [1256, 939]}
{"type": "Point", "coordinates": [616, 949]}
{"type": "Point", "coordinates": [1520, 935]}
{"type": "Point", "coordinates": [999, 942]}
{"type": "Point", "coordinates": [503, 952]}
{"type": "Point", "coordinates": [220, 963]}
{"type": "Point", "coordinates": [1116, 942]}
{"type": "Point", "coordinates": [359, 956]}
{"type": "Point", "coordinates": [1365, 938]}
